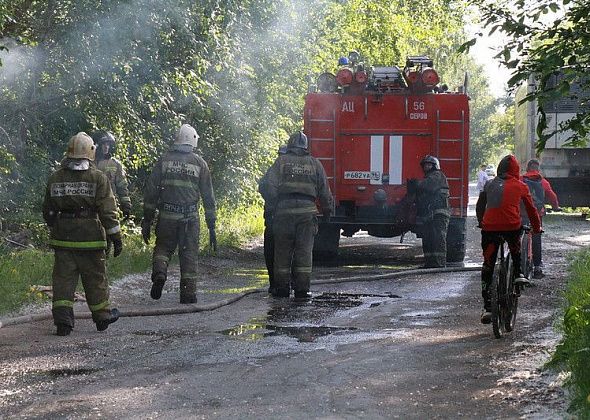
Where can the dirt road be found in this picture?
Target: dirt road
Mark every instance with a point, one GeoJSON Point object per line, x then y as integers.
{"type": "Point", "coordinates": [402, 348]}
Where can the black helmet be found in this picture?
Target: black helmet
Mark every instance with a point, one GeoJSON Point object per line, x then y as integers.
{"type": "Point", "coordinates": [299, 140]}
{"type": "Point", "coordinates": [430, 159]}
{"type": "Point", "coordinates": [102, 136]}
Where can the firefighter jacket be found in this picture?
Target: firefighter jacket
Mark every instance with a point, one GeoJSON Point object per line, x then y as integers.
{"type": "Point", "coordinates": [79, 207]}
{"type": "Point", "coordinates": [498, 206]}
{"type": "Point", "coordinates": [179, 179]}
{"type": "Point", "coordinates": [293, 184]}
{"type": "Point", "coordinates": [432, 196]}
{"type": "Point", "coordinates": [115, 172]}
{"type": "Point", "coordinates": [541, 191]}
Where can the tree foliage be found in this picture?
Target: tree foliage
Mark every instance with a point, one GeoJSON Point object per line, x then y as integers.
{"type": "Point", "coordinates": [546, 38]}
{"type": "Point", "coordinates": [236, 70]}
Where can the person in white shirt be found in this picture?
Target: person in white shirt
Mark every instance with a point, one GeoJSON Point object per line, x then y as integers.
{"type": "Point", "coordinates": [482, 178]}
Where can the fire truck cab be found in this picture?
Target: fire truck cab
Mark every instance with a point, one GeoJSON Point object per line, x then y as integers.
{"type": "Point", "coordinates": [370, 128]}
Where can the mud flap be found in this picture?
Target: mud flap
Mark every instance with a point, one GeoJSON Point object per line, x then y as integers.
{"type": "Point", "coordinates": [456, 240]}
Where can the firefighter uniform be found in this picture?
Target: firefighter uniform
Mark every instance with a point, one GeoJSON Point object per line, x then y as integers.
{"type": "Point", "coordinates": [80, 209]}
{"type": "Point", "coordinates": [295, 181]}
{"type": "Point", "coordinates": [432, 213]}
{"type": "Point", "coordinates": [174, 188]}
{"type": "Point", "coordinates": [115, 172]}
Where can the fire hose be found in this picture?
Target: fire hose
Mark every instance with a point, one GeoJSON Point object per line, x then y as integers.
{"type": "Point", "coordinates": [194, 308]}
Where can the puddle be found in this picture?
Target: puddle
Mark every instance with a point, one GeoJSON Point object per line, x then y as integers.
{"type": "Point", "coordinates": [303, 334]}
{"type": "Point", "coordinates": [58, 373]}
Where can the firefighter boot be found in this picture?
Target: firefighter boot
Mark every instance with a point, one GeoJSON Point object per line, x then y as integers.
{"type": "Point", "coordinates": [157, 285]}
{"type": "Point", "coordinates": [188, 289]}
{"type": "Point", "coordinates": [104, 324]}
{"type": "Point", "coordinates": [63, 329]}
{"type": "Point", "coordinates": [281, 293]}
{"type": "Point", "coordinates": [302, 295]}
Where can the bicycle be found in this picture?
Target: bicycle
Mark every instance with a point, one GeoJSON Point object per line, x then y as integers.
{"type": "Point", "coordinates": [526, 252]}
{"type": "Point", "coordinates": [504, 292]}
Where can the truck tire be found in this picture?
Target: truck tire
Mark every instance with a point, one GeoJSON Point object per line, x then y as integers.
{"type": "Point", "coordinates": [456, 240]}
{"type": "Point", "coordinates": [325, 245]}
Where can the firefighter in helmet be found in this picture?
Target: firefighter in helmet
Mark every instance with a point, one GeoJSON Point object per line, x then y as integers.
{"type": "Point", "coordinates": [269, 242]}
{"type": "Point", "coordinates": [432, 211]}
{"type": "Point", "coordinates": [294, 182]}
{"type": "Point", "coordinates": [80, 210]}
{"type": "Point", "coordinates": [112, 167]}
{"type": "Point", "coordinates": [178, 180]}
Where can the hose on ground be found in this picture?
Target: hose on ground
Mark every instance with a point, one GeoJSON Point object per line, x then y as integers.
{"type": "Point", "coordinates": [193, 308]}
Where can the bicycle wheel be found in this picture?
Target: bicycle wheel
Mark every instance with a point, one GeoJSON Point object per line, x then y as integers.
{"type": "Point", "coordinates": [526, 257]}
{"type": "Point", "coordinates": [511, 297]}
{"type": "Point", "coordinates": [497, 298]}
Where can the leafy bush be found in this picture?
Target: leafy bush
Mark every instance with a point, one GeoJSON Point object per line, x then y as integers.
{"type": "Point", "coordinates": [573, 353]}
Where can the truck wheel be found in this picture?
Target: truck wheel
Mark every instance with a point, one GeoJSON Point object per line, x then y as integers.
{"type": "Point", "coordinates": [456, 240]}
{"type": "Point", "coordinates": [325, 245]}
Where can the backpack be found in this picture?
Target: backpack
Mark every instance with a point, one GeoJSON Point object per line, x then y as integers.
{"type": "Point", "coordinates": [537, 191]}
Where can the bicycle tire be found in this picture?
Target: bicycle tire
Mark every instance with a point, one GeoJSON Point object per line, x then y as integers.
{"type": "Point", "coordinates": [526, 259]}
{"type": "Point", "coordinates": [511, 297]}
{"type": "Point", "coordinates": [498, 324]}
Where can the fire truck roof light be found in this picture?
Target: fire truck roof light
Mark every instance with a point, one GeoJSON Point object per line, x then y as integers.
{"type": "Point", "coordinates": [430, 77]}
{"type": "Point", "coordinates": [361, 77]}
{"type": "Point", "coordinates": [344, 77]}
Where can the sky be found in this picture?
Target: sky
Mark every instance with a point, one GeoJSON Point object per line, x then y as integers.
{"type": "Point", "coordinates": [483, 52]}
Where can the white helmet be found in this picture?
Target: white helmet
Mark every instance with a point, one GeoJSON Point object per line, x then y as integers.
{"type": "Point", "coordinates": [187, 135]}
{"type": "Point", "coordinates": [81, 146]}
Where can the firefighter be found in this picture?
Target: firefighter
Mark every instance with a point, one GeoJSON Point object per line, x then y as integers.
{"type": "Point", "coordinates": [295, 181]}
{"type": "Point", "coordinates": [541, 192]}
{"type": "Point", "coordinates": [114, 170]}
{"type": "Point", "coordinates": [80, 210]}
{"type": "Point", "coordinates": [432, 211]}
{"type": "Point", "coordinates": [178, 180]}
{"type": "Point", "coordinates": [269, 243]}
{"type": "Point", "coordinates": [499, 216]}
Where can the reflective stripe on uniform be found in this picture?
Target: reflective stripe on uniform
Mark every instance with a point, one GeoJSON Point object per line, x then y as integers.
{"type": "Point", "coordinates": [99, 306]}
{"type": "Point", "coordinates": [161, 258]}
{"type": "Point", "coordinates": [283, 270]}
{"type": "Point", "coordinates": [302, 269]}
{"type": "Point", "coordinates": [295, 185]}
{"type": "Point", "coordinates": [63, 304]}
{"type": "Point", "coordinates": [78, 245]}
{"type": "Point", "coordinates": [177, 216]}
{"type": "Point", "coordinates": [178, 183]}
{"type": "Point", "coordinates": [297, 210]}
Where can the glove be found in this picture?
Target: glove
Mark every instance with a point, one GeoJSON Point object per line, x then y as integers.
{"type": "Point", "coordinates": [326, 214]}
{"type": "Point", "coordinates": [212, 238]}
{"type": "Point", "coordinates": [117, 244]}
{"type": "Point", "coordinates": [146, 230]}
{"type": "Point", "coordinates": [412, 185]}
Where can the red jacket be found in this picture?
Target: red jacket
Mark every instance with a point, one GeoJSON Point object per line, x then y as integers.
{"type": "Point", "coordinates": [550, 195]}
{"type": "Point", "coordinates": [498, 206]}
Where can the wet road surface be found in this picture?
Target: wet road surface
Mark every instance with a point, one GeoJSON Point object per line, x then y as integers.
{"type": "Point", "coordinates": [409, 347]}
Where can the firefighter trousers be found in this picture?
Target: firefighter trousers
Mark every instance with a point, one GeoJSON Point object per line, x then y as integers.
{"type": "Point", "coordinates": [269, 249]}
{"type": "Point", "coordinates": [293, 235]}
{"type": "Point", "coordinates": [69, 266]}
{"type": "Point", "coordinates": [434, 241]}
{"type": "Point", "coordinates": [183, 234]}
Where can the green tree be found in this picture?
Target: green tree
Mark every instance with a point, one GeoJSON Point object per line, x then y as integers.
{"type": "Point", "coordinates": [545, 38]}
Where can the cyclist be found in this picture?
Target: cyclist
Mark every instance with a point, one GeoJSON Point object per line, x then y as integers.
{"type": "Point", "coordinates": [498, 214]}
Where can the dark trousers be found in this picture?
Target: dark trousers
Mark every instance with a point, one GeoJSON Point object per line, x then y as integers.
{"type": "Point", "coordinates": [269, 250]}
{"type": "Point", "coordinates": [434, 241]}
{"type": "Point", "coordinates": [294, 236]}
{"type": "Point", "coordinates": [68, 268]}
{"type": "Point", "coordinates": [183, 234]}
{"type": "Point", "coordinates": [490, 242]}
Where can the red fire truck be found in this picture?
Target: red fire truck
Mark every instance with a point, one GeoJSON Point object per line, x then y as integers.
{"type": "Point", "coordinates": [370, 127]}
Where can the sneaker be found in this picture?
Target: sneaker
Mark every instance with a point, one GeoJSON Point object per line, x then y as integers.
{"type": "Point", "coordinates": [538, 273]}
{"type": "Point", "coordinates": [486, 317]}
{"type": "Point", "coordinates": [104, 324]}
{"type": "Point", "coordinates": [157, 286]}
{"type": "Point", "coordinates": [63, 330]}
{"type": "Point", "coordinates": [522, 281]}
{"type": "Point", "coordinates": [188, 298]}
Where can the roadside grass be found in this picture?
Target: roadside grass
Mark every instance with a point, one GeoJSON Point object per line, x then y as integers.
{"type": "Point", "coordinates": [20, 270]}
{"type": "Point", "coordinates": [573, 352]}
